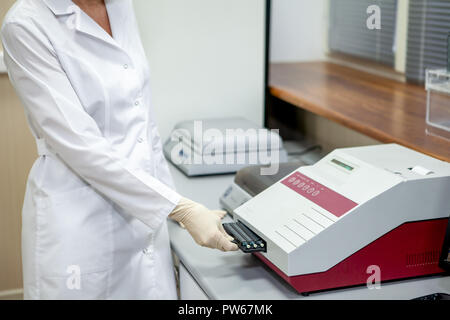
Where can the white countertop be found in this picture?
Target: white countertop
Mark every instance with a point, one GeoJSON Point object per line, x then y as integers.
{"type": "Point", "coordinates": [237, 275]}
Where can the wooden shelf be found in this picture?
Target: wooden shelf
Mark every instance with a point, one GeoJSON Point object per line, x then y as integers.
{"type": "Point", "coordinates": [384, 109]}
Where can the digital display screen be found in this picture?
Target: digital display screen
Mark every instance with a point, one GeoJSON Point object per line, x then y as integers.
{"type": "Point", "coordinates": [343, 165]}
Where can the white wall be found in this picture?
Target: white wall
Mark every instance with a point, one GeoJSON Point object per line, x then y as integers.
{"type": "Point", "coordinates": [206, 58]}
{"type": "Point", "coordinates": [298, 30]}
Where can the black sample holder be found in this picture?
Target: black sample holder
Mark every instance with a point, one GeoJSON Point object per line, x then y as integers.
{"type": "Point", "coordinates": [246, 240]}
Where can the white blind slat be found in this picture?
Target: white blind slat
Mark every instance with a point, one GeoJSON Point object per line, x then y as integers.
{"type": "Point", "coordinates": [429, 26]}
{"type": "Point", "coordinates": [349, 33]}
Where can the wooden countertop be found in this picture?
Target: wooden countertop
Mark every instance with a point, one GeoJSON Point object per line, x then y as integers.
{"type": "Point", "coordinates": [384, 109]}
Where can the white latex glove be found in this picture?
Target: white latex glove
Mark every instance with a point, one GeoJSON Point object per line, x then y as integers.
{"type": "Point", "coordinates": [204, 225]}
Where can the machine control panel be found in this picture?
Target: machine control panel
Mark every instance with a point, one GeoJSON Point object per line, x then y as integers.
{"type": "Point", "coordinates": [324, 197]}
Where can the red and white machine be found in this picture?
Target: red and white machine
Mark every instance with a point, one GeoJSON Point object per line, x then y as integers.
{"type": "Point", "coordinates": [327, 225]}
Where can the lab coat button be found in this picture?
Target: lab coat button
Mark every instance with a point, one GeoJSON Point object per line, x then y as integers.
{"type": "Point", "coordinates": [136, 103]}
{"type": "Point", "coordinates": [125, 66]}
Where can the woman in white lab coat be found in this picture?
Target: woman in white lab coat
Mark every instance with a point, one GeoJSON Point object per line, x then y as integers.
{"type": "Point", "coordinates": [97, 198]}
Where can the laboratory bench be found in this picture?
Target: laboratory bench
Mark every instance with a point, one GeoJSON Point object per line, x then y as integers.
{"type": "Point", "coordinates": [211, 274]}
{"type": "Point", "coordinates": [386, 110]}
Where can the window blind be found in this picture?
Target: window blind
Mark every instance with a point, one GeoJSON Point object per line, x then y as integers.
{"type": "Point", "coordinates": [348, 32]}
{"type": "Point", "coordinates": [429, 25]}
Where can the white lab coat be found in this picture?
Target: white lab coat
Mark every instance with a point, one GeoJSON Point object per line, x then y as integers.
{"type": "Point", "coordinates": [97, 198]}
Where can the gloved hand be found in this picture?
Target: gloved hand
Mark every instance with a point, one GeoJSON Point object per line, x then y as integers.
{"type": "Point", "coordinates": [204, 225]}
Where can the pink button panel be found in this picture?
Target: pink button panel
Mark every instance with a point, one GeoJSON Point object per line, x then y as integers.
{"type": "Point", "coordinates": [319, 194]}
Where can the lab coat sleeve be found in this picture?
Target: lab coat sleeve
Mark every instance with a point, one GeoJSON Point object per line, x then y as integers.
{"type": "Point", "coordinates": [56, 112]}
